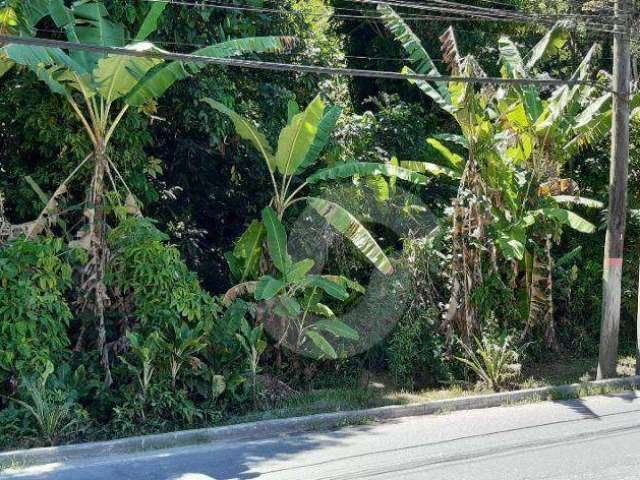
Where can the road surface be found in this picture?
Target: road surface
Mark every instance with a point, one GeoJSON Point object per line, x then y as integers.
{"type": "Point", "coordinates": [594, 438]}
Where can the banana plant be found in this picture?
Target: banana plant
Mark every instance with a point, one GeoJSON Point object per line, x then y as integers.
{"type": "Point", "coordinates": [100, 88]}
{"type": "Point", "coordinates": [515, 143]}
{"type": "Point", "coordinates": [294, 295]}
{"type": "Point", "coordinates": [300, 146]}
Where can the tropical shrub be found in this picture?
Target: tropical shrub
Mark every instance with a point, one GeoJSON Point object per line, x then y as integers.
{"type": "Point", "coordinates": [495, 359]}
{"type": "Point", "coordinates": [300, 146]}
{"type": "Point", "coordinates": [152, 286]}
{"type": "Point", "coordinates": [100, 88]}
{"type": "Point", "coordinates": [35, 277]}
{"type": "Point", "coordinates": [53, 407]}
{"type": "Point", "coordinates": [509, 210]}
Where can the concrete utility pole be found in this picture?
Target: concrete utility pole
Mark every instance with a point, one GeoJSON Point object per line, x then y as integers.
{"type": "Point", "coordinates": [614, 245]}
{"type": "Point", "coordinates": [638, 331]}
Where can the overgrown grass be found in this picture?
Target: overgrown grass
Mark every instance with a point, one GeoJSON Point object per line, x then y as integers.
{"type": "Point", "coordinates": [559, 370]}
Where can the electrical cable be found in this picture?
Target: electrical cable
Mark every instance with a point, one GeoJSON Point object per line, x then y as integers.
{"type": "Point", "coordinates": [283, 67]}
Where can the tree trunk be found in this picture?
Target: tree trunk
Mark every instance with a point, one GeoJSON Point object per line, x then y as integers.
{"type": "Point", "coordinates": [97, 244]}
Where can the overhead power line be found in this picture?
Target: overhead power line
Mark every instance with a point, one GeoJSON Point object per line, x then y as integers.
{"type": "Point", "coordinates": [493, 15]}
{"type": "Point", "coordinates": [461, 13]}
{"type": "Point", "coordinates": [282, 67]}
{"type": "Point", "coordinates": [360, 14]}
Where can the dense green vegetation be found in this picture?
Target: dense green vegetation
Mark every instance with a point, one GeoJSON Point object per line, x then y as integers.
{"type": "Point", "coordinates": [182, 243]}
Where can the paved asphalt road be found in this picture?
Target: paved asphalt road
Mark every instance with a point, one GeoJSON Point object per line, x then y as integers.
{"type": "Point", "coordinates": [595, 438]}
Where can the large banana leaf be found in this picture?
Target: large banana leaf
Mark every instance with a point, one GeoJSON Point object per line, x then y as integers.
{"type": "Point", "coordinates": [246, 254]}
{"type": "Point", "coordinates": [512, 61]}
{"type": "Point", "coordinates": [297, 138]}
{"type": "Point", "coordinates": [422, 62]}
{"type": "Point", "coordinates": [325, 128]}
{"type": "Point", "coordinates": [117, 75]}
{"type": "Point", "coordinates": [247, 131]}
{"type": "Point", "coordinates": [5, 65]}
{"type": "Point", "coordinates": [513, 67]}
{"type": "Point", "coordinates": [51, 65]}
{"type": "Point", "coordinates": [38, 57]}
{"type": "Point", "coordinates": [363, 169]}
{"type": "Point", "coordinates": [430, 168]}
{"type": "Point", "coordinates": [161, 78]}
{"type": "Point", "coordinates": [592, 124]}
{"type": "Point", "coordinates": [276, 240]}
{"type": "Point", "coordinates": [31, 12]}
{"type": "Point", "coordinates": [563, 216]}
{"type": "Point", "coordinates": [455, 160]}
{"type": "Point", "coordinates": [87, 22]}
{"type": "Point", "coordinates": [330, 288]}
{"type": "Point", "coordinates": [565, 100]}
{"type": "Point", "coordinates": [551, 43]}
{"type": "Point", "coordinates": [586, 202]}
{"type": "Point", "coordinates": [351, 228]}
{"type": "Point", "coordinates": [445, 103]}
{"type": "Point", "coordinates": [150, 23]}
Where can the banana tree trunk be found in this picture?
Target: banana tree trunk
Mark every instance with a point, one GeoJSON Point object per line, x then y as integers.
{"type": "Point", "coordinates": [98, 253]}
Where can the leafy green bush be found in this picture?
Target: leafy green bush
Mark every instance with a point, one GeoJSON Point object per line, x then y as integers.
{"type": "Point", "coordinates": [494, 359]}
{"type": "Point", "coordinates": [151, 281]}
{"type": "Point", "coordinates": [34, 313]}
{"type": "Point", "coordinates": [414, 351]}
{"type": "Point", "coordinates": [53, 407]}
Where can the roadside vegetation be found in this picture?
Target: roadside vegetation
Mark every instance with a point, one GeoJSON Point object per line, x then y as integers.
{"type": "Point", "coordinates": [185, 246]}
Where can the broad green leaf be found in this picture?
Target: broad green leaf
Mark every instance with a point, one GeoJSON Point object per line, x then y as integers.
{"type": "Point", "coordinates": [49, 64]}
{"type": "Point", "coordinates": [268, 287]}
{"type": "Point", "coordinates": [247, 131]}
{"type": "Point", "coordinates": [567, 218]}
{"type": "Point", "coordinates": [94, 27]}
{"type": "Point", "coordinates": [235, 265]}
{"type": "Point", "coordinates": [513, 65]}
{"type": "Point", "coordinates": [297, 138]}
{"type": "Point", "coordinates": [293, 109]}
{"type": "Point", "coordinates": [430, 168]}
{"type": "Point", "coordinates": [450, 137]}
{"type": "Point", "coordinates": [248, 248]}
{"type": "Point", "coordinates": [330, 288]}
{"type": "Point", "coordinates": [37, 57]}
{"type": "Point", "coordinates": [322, 310]}
{"type": "Point", "coordinates": [161, 78]}
{"type": "Point", "coordinates": [116, 75]}
{"type": "Point", "coordinates": [150, 23]}
{"type": "Point", "coordinates": [323, 345]}
{"type": "Point", "coordinates": [352, 229]}
{"type": "Point", "coordinates": [276, 240]}
{"type": "Point", "coordinates": [510, 247]}
{"type": "Point", "coordinates": [565, 100]}
{"type": "Point", "coordinates": [551, 43]}
{"type": "Point", "coordinates": [422, 62]}
{"type": "Point", "coordinates": [345, 282]}
{"type": "Point", "coordinates": [5, 65]}
{"type": "Point", "coordinates": [337, 328]}
{"type": "Point", "coordinates": [380, 187]}
{"type": "Point", "coordinates": [455, 160]}
{"type": "Point", "coordinates": [32, 11]}
{"type": "Point", "coordinates": [299, 270]}
{"type": "Point", "coordinates": [426, 88]}
{"type": "Point", "coordinates": [290, 306]}
{"type": "Point", "coordinates": [587, 202]}
{"type": "Point", "coordinates": [362, 169]}
{"type": "Point", "coordinates": [325, 128]}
